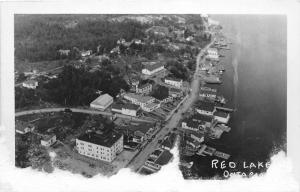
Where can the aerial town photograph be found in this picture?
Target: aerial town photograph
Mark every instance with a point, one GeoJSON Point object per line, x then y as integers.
{"type": "Point", "coordinates": [96, 93]}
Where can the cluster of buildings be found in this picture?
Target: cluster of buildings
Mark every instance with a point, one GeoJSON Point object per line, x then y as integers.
{"type": "Point", "coordinates": [161, 156]}
{"type": "Point", "coordinates": [208, 119]}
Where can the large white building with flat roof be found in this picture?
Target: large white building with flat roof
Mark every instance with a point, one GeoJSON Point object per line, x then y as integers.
{"type": "Point", "coordinates": [103, 147]}
{"type": "Point", "coordinates": [102, 102]}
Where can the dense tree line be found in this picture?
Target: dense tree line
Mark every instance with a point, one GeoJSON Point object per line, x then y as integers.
{"type": "Point", "coordinates": [39, 38]}
{"type": "Point", "coordinates": [79, 87]}
{"type": "Point", "coordinates": [177, 70]}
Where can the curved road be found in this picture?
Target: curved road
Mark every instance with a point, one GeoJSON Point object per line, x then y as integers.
{"type": "Point", "coordinates": [139, 160]}
{"type": "Point", "coordinates": [76, 110]}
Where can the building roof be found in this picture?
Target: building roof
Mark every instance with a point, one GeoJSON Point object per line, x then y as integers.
{"type": "Point", "coordinates": [150, 105]}
{"type": "Point", "coordinates": [106, 140]}
{"type": "Point", "coordinates": [212, 49]}
{"type": "Point", "coordinates": [208, 88]}
{"type": "Point", "coordinates": [164, 158]}
{"type": "Point", "coordinates": [221, 114]}
{"type": "Point", "coordinates": [103, 100]}
{"type": "Point", "coordinates": [153, 66]}
{"type": "Point", "coordinates": [157, 152]}
{"type": "Point", "coordinates": [140, 98]}
{"type": "Point", "coordinates": [207, 106]}
{"type": "Point", "coordinates": [199, 117]}
{"type": "Point", "coordinates": [117, 106]}
{"type": "Point", "coordinates": [130, 106]}
{"type": "Point", "coordinates": [125, 106]}
{"type": "Point", "coordinates": [169, 141]}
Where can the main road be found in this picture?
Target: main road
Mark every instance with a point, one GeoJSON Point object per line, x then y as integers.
{"type": "Point", "coordinates": [139, 160]}
{"type": "Point", "coordinates": [78, 110]}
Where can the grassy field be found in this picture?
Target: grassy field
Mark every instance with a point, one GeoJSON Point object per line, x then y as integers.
{"type": "Point", "coordinates": [23, 66]}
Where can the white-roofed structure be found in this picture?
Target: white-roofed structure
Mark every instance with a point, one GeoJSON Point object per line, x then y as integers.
{"type": "Point", "coordinates": [102, 102]}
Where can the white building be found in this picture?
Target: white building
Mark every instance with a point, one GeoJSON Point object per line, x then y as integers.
{"type": "Point", "coordinates": [139, 99]}
{"type": "Point", "coordinates": [125, 109]}
{"type": "Point", "coordinates": [30, 84]}
{"type": "Point", "coordinates": [86, 53]}
{"type": "Point", "coordinates": [48, 140]}
{"type": "Point", "coordinates": [207, 94]}
{"type": "Point", "coordinates": [173, 81]}
{"type": "Point", "coordinates": [99, 146]}
{"type": "Point", "coordinates": [153, 68]}
{"type": "Point", "coordinates": [212, 53]}
{"type": "Point", "coordinates": [221, 117]}
{"type": "Point", "coordinates": [143, 89]}
{"type": "Point", "coordinates": [102, 102]}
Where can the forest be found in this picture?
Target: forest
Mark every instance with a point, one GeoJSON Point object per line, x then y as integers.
{"type": "Point", "coordinates": [39, 37]}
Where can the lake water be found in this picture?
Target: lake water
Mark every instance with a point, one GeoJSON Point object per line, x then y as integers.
{"type": "Point", "coordinates": [255, 84]}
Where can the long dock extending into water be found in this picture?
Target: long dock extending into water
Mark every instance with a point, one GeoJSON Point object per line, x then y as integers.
{"type": "Point", "coordinates": [206, 150]}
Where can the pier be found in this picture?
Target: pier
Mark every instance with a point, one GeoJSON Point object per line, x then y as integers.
{"type": "Point", "coordinates": [206, 150]}
{"type": "Point", "coordinates": [226, 109]}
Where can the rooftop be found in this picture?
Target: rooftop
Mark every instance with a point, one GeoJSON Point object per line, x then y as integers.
{"type": "Point", "coordinates": [206, 91]}
{"type": "Point", "coordinates": [153, 66]}
{"type": "Point", "coordinates": [104, 140]}
{"type": "Point", "coordinates": [125, 106]}
{"type": "Point", "coordinates": [164, 158]}
{"type": "Point", "coordinates": [102, 100]}
{"type": "Point", "coordinates": [173, 79]}
{"type": "Point", "coordinates": [221, 114]}
{"type": "Point", "coordinates": [150, 105]}
{"type": "Point", "coordinates": [202, 117]}
{"type": "Point", "coordinates": [140, 98]}
{"type": "Point", "coordinates": [169, 141]}
{"type": "Point", "coordinates": [207, 106]}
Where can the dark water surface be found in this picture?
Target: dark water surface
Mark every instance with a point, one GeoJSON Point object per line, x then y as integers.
{"type": "Point", "coordinates": [255, 84]}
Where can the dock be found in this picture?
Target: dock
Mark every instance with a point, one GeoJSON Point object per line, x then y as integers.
{"type": "Point", "coordinates": [222, 155]}
{"type": "Point", "coordinates": [226, 109]}
{"type": "Point", "coordinates": [206, 150]}
{"type": "Point", "coordinates": [224, 128]}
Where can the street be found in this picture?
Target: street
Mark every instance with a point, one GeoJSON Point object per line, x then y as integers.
{"type": "Point", "coordinates": [139, 160]}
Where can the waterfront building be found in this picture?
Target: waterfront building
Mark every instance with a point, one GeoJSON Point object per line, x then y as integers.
{"type": "Point", "coordinates": [48, 140]}
{"type": "Point", "coordinates": [197, 122]}
{"type": "Point", "coordinates": [169, 142]}
{"type": "Point", "coordinates": [173, 81]}
{"type": "Point", "coordinates": [30, 84]}
{"type": "Point", "coordinates": [205, 108]}
{"type": "Point", "coordinates": [221, 116]}
{"type": "Point", "coordinates": [100, 146]}
{"type": "Point", "coordinates": [23, 127]}
{"type": "Point", "coordinates": [153, 68]}
{"type": "Point", "coordinates": [212, 54]}
{"type": "Point", "coordinates": [207, 94]}
{"type": "Point", "coordinates": [102, 102]}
